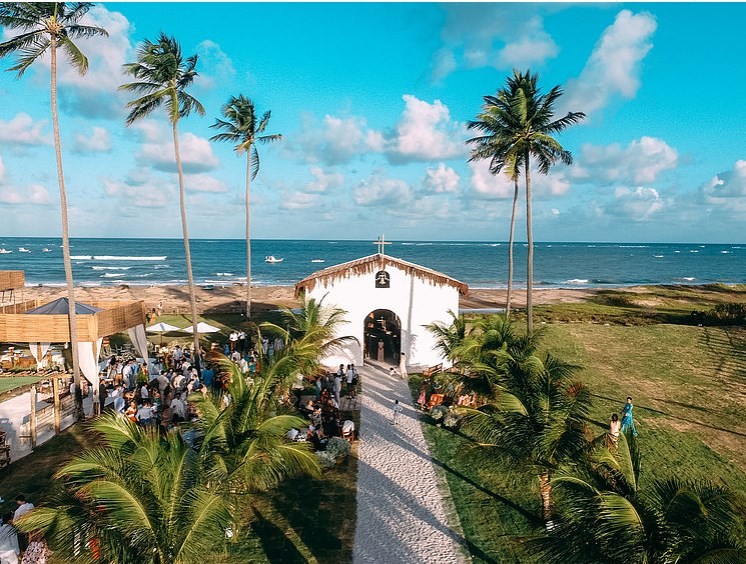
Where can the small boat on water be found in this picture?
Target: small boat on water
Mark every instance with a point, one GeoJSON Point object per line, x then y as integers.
{"type": "Point", "coordinates": [46, 250]}
{"type": "Point", "coordinates": [272, 259]}
{"type": "Point", "coordinates": [5, 251]}
{"type": "Point", "coordinates": [318, 260]}
{"type": "Point", "coordinates": [23, 250]}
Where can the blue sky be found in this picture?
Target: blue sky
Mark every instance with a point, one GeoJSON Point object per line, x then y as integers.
{"type": "Point", "coordinates": [372, 101]}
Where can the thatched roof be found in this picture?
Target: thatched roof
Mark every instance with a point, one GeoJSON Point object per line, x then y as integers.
{"type": "Point", "coordinates": [372, 264]}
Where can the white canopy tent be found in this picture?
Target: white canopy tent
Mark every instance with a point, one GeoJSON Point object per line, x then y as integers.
{"type": "Point", "coordinates": [202, 328]}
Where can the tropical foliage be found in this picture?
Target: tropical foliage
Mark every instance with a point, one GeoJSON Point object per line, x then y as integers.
{"type": "Point", "coordinates": [244, 444]}
{"type": "Point", "coordinates": [242, 128]}
{"type": "Point", "coordinates": [162, 76]}
{"type": "Point", "coordinates": [516, 128]}
{"type": "Point", "coordinates": [139, 498]}
{"type": "Point", "coordinates": [47, 27]}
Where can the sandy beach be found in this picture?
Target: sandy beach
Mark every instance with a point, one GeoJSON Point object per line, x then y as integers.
{"type": "Point", "coordinates": [229, 299]}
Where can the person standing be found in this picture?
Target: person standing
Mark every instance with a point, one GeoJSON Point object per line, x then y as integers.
{"type": "Point", "coordinates": [422, 398]}
{"type": "Point", "coordinates": [627, 421]}
{"type": "Point", "coordinates": [380, 356]}
{"type": "Point", "coordinates": [614, 430]}
{"type": "Point", "coordinates": [350, 378]}
{"type": "Point", "coordinates": [102, 395]}
{"type": "Point", "coordinates": [338, 384]}
{"type": "Point", "coordinates": [233, 338]}
{"type": "Point", "coordinates": [9, 547]}
{"type": "Point", "coordinates": [403, 366]}
{"type": "Point", "coordinates": [23, 508]}
{"type": "Point", "coordinates": [397, 410]}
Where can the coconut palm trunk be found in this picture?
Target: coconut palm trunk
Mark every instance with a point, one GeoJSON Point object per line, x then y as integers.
{"type": "Point", "coordinates": [185, 230]}
{"type": "Point", "coordinates": [66, 237]}
{"type": "Point", "coordinates": [545, 490]}
{"type": "Point", "coordinates": [510, 249]}
{"type": "Point", "coordinates": [248, 234]}
{"type": "Point", "coordinates": [530, 263]}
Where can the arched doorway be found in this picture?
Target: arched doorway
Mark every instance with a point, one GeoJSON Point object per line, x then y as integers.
{"type": "Point", "coordinates": [384, 326]}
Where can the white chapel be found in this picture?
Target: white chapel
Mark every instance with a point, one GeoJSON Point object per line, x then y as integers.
{"type": "Point", "coordinates": [389, 302]}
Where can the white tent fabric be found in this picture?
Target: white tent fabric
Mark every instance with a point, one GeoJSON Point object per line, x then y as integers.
{"type": "Point", "coordinates": [140, 340]}
{"type": "Point", "coordinates": [162, 328]}
{"type": "Point", "coordinates": [202, 327]}
{"type": "Point", "coordinates": [39, 352]}
{"type": "Point", "coordinates": [88, 358]}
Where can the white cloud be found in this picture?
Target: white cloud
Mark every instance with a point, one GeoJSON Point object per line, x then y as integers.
{"type": "Point", "coordinates": [202, 182]}
{"type": "Point", "coordinates": [532, 47]}
{"type": "Point", "coordinates": [217, 67]}
{"type": "Point", "coordinates": [425, 132]}
{"type": "Point", "coordinates": [441, 180]}
{"type": "Point", "coordinates": [492, 34]}
{"type": "Point", "coordinates": [640, 162]}
{"type": "Point", "coordinates": [23, 130]}
{"type": "Point", "coordinates": [488, 186]}
{"type": "Point", "coordinates": [32, 195]}
{"type": "Point", "coordinates": [2, 170]}
{"type": "Point", "coordinates": [149, 129]}
{"type": "Point", "coordinates": [637, 204]}
{"type": "Point", "coordinates": [300, 201]}
{"type": "Point", "coordinates": [196, 154]}
{"type": "Point", "coordinates": [336, 141]}
{"type": "Point", "coordinates": [727, 185]}
{"type": "Point", "coordinates": [151, 194]}
{"type": "Point", "coordinates": [614, 66]}
{"type": "Point", "coordinates": [382, 191]}
{"type": "Point", "coordinates": [324, 181]}
{"type": "Point", "coordinates": [99, 141]}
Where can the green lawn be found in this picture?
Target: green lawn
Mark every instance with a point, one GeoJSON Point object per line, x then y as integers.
{"type": "Point", "coordinates": [689, 390]}
{"type": "Point", "coordinates": [8, 383]}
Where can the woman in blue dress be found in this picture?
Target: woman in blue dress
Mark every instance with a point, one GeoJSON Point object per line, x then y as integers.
{"type": "Point", "coordinates": [627, 421]}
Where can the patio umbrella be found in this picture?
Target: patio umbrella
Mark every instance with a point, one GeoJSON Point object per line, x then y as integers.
{"type": "Point", "coordinates": [162, 328]}
{"type": "Point", "coordinates": [202, 328]}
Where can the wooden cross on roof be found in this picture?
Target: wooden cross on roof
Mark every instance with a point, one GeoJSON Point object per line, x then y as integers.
{"type": "Point", "coordinates": [381, 242]}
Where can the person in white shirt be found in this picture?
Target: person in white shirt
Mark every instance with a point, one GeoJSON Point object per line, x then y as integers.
{"type": "Point", "coordinates": [233, 338]}
{"type": "Point", "coordinates": [162, 383]}
{"type": "Point", "coordinates": [144, 392]}
{"type": "Point", "coordinates": [350, 378]}
{"type": "Point", "coordinates": [178, 408]}
{"type": "Point", "coordinates": [178, 382]}
{"type": "Point", "coordinates": [9, 548]}
{"type": "Point", "coordinates": [23, 506]}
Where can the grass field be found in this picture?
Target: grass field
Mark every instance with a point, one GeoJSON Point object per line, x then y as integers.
{"type": "Point", "coordinates": [689, 390]}
{"type": "Point", "coordinates": [8, 383]}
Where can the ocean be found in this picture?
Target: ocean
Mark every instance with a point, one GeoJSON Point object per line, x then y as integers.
{"type": "Point", "coordinates": [111, 262]}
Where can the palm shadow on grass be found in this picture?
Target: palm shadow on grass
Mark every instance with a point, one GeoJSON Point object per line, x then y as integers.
{"type": "Point", "coordinates": [277, 546]}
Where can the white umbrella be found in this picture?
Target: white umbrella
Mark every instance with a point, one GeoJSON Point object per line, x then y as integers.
{"type": "Point", "coordinates": [202, 328]}
{"type": "Point", "coordinates": [162, 328]}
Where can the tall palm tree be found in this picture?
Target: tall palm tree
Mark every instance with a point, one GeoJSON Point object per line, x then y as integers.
{"type": "Point", "coordinates": [244, 443]}
{"type": "Point", "coordinates": [162, 76]}
{"type": "Point", "coordinates": [495, 113]}
{"type": "Point", "coordinates": [520, 129]}
{"type": "Point", "coordinates": [537, 420]}
{"type": "Point", "coordinates": [137, 498]}
{"type": "Point", "coordinates": [242, 128]}
{"type": "Point", "coordinates": [47, 26]}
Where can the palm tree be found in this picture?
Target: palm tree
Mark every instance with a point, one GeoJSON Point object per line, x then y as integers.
{"type": "Point", "coordinates": [244, 443]}
{"type": "Point", "coordinates": [162, 76]}
{"type": "Point", "coordinates": [538, 418]}
{"type": "Point", "coordinates": [136, 498]}
{"type": "Point", "coordinates": [45, 27]}
{"type": "Point", "coordinates": [605, 516]}
{"type": "Point", "coordinates": [242, 128]}
{"type": "Point", "coordinates": [520, 126]}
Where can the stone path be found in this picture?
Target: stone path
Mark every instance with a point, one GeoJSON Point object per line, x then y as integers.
{"type": "Point", "coordinates": [400, 512]}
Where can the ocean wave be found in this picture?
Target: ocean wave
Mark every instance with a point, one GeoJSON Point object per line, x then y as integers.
{"type": "Point", "coordinates": [725, 252]}
{"type": "Point", "coordinates": [677, 251]}
{"type": "Point", "coordinates": [159, 266]}
{"type": "Point", "coordinates": [81, 257]}
{"type": "Point", "coordinates": [687, 278]}
{"type": "Point", "coordinates": [657, 256]}
{"type": "Point", "coordinates": [143, 275]}
{"type": "Point", "coordinates": [114, 257]}
{"type": "Point", "coordinates": [633, 246]}
{"type": "Point", "coordinates": [224, 273]}
{"type": "Point", "coordinates": [695, 251]}
{"type": "Point", "coordinates": [576, 281]}
{"type": "Point", "coordinates": [111, 275]}
{"type": "Point", "coordinates": [111, 267]}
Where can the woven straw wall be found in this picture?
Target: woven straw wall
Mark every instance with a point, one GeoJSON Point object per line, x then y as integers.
{"type": "Point", "coordinates": [11, 279]}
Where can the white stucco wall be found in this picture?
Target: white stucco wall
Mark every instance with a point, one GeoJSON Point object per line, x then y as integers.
{"type": "Point", "coordinates": [416, 301]}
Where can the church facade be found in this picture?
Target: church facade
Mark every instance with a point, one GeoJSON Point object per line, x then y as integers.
{"type": "Point", "coordinates": [388, 304]}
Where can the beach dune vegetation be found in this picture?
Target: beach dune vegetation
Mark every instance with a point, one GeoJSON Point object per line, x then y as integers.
{"type": "Point", "coordinates": [162, 75]}
{"type": "Point", "coordinates": [46, 27]}
{"type": "Point", "coordinates": [242, 128]}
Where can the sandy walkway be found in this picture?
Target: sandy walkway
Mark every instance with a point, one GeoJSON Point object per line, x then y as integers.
{"type": "Point", "coordinates": [400, 513]}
